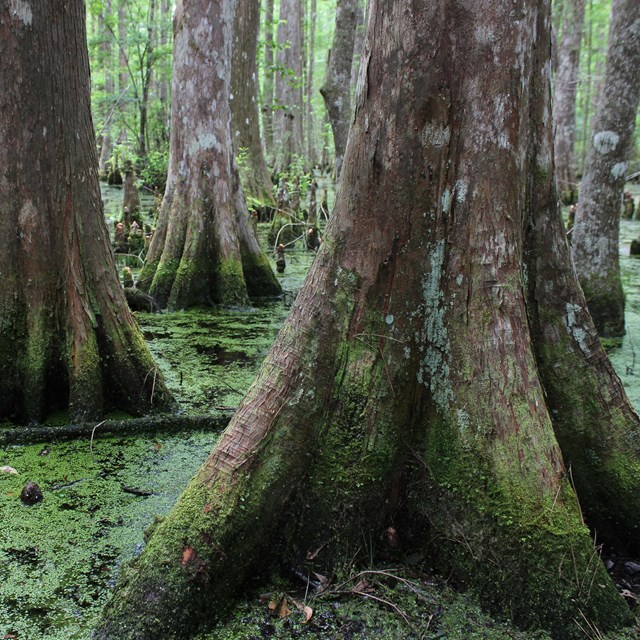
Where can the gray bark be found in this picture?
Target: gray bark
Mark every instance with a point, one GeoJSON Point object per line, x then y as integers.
{"type": "Point", "coordinates": [336, 89]}
{"type": "Point", "coordinates": [310, 119]}
{"type": "Point", "coordinates": [268, 83]}
{"type": "Point", "coordinates": [566, 87]}
{"type": "Point", "coordinates": [245, 118]}
{"type": "Point", "coordinates": [106, 52]}
{"type": "Point", "coordinates": [201, 252]}
{"type": "Point", "coordinates": [288, 114]}
{"type": "Point", "coordinates": [596, 232]}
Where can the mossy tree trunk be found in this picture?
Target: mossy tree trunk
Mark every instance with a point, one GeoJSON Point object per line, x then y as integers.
{"type": "Point", "coordinates": [565, 92]}
{"type": "Point", "coordinates": [201, 252]}
{"type": "Point", "coordinates": [67, 337]}
{"type": "Point", "coordinates": [336, 88]}
{"type": "Point", "coordinates": [245, 120]}
{"type": "Point", "coordinates": [438, 372]}
{"type": "Point", "coordinates": [595, 237]}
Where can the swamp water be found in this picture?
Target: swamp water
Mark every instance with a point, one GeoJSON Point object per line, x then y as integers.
{"type": "Point", "coordinates": [59, 558]}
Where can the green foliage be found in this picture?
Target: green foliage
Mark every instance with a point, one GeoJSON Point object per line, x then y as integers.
{"type": "Point", "coordinates": [154, 171]}
{"type": "Point", "coordinates": [296, 170]}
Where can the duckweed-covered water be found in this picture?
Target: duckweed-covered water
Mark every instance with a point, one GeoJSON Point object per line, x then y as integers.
{"type": "Point", "coordinates": [59, 558]}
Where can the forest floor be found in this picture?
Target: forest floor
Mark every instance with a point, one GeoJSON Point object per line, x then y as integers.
{"type": "Point", "coordinates": [60, 558]}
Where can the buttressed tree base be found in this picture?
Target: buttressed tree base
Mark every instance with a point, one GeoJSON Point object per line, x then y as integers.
{"type": "Point", "coordinates": [67, 337]}
{"type": "Point", "coordinates": [439, 371]}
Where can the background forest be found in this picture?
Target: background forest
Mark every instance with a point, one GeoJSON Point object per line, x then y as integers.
{"type": "Point", "coordinates": [130, 46]}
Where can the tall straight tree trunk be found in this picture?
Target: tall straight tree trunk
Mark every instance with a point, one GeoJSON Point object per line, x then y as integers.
{"type": "Point", "coordinates": [288, 114]}
{"type": "Point", "coordinates": [336, 89]}
{"type": "Point", "coordinates": [106, 53]}
{"type": "Point", "coordinates": [67, 337]}
{"type": "Point", "coordinates": [203, 250]}
{"type": "Point", "coordinates": [566, 89]}
{"type": "Point", "coordinates": [268, 81]}
{"type": "Point", "coordinates": [146, 72]}
{"type": "Point", "coordinates": [245, 118]}
{"type": "Point", "coordinates": [596, 232]}
{"type": "Point", "coordinates": [586, 105]}
{"type": "Point", "coordinates": [312, 153]}
{"type": "Point", "coordinates": [428, 360]}
{"type": "Point", "coordinates": [358, 44]}
{"type": "Point", "coordinates": [124, 83]}
{"type": "Point", "coordinates": [161, 78]}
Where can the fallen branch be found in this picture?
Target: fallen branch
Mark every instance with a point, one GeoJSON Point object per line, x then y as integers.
{"type": "Point", "coordinates": [134, 426]}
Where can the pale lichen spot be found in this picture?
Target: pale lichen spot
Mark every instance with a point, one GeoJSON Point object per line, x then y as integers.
{"type": "Point", "coordinates": [27, 220]}
{"type": "Point", "coordinates": [435, 135]}
{"type": "Point", "coordinates": [484, 35]}
{"type": "Point", "coordinates": [605, 141]}
{"type": "Point", "coordinates": [21, 10]}
{"type": "Point", "coordinates": [446, 200]}
{"type": "Point", "coordinates": [574, 329]}
{"type": "Point", "coordinates": [619, 170]}
{"type": "Point", "coordinates": [461, 188]}
{"type": "Point", "coordinates": [463, 420]}
{"type": "Point", "coordinates": [389, 319]}
{"type": "Point", "coordinates": [434, 369]}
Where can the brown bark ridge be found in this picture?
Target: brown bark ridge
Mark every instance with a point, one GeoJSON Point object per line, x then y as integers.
{"type": "Point", "coordinates": [336, 88]}
{"type": "Point", "coordinates": [564, 104]}
{"type": "Point", "coordinates": [288, 107]}
{"type": "Point", "coordinates": [438, 372]}
{"type": "Point", "coordinates": [67, 337]}
{"type": "Point", "coordinates": [245, 119]}
{"type": "Point", "coordinates": [204, 250]}
{"type": "Point", "coordinates": [596, 230]}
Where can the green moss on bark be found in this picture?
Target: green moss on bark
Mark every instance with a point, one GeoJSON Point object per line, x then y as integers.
{"type": "Point", "coordinates": [605, 299]}
{"type": "Point", "coordinates": [258, 276]}
{"type": "Point", "coordinates": [525, 552]}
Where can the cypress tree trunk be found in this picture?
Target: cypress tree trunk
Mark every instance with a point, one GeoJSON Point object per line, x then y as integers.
{"type": "Point", "coordinates": [124, 81]}
{"type": "Point", "coordinates": [431, 371]}
{"type": "Point", "coordinates": [244, 102]}
{"type": "Point", "coordinates": [336, 89]}
{"type": "Point", "coordinates": [596, 233]}
{"type": "Point", "coordinates": [288, 114]}
{"type": "Point", "coordinates": [200, 252]}
{"type": "Point", "coordinates": [67, 337]}
{"type": "Point", "coordinates": [312, 152]}
{"type": "Point", "coordinates": [268, 84]}
{"type": "Point", "coordinates": [106, 52]}
{"type": "Point", "coordinates": [566, 89]}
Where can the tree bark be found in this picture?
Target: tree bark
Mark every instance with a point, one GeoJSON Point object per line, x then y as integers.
{"type": "Point", "coordinates": [106, 52]}
{"type": "Point", "coordinates": [288, 114]}
{"type": "Point", "coordinates": [596, 231]}
{"type": "Point", "coordinates": [124, 83]}
{"type": "Point", "coordinates": [566, 89]}
{"type": "Point", "coordinates": [146, 73]}
{"type": "Point", "coordinates": [268, 84]}
{"type": "Point", "coordinates": [358, 44]}
{"type": "Point", "coordinates": [245, 119]}
{"type": "Point", "coordinates": [67, 337]}
{"type": "Point", "coordinates": [336, 89]}
{"type": "Point", "coordinates": [439, 344]}
{"type": "Point", "coordinates": [312, 153]}
{"type": "Point", "coordinates": [203, 250]}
